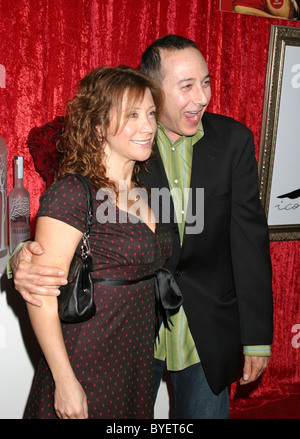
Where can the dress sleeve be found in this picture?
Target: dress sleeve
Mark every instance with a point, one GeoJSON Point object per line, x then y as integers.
{"type": "Point", "coordinates": [257, 4]}
{"type": "Point", "coordinates": [66, 201]}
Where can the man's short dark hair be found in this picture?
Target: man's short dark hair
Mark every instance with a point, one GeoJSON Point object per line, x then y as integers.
{"type": "Point", "coordinates": [151, 61]}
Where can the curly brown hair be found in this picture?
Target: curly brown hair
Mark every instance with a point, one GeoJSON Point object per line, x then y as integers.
{"type": "Point", "coordinates": [100, 91]}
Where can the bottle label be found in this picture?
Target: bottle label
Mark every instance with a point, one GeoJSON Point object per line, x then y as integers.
{"type": "Point", "coordinates": [19, 221]}
{"type": "Point", "coordinates": [19, 232]}
{"type": "Point", "coordinates": [19, 206]}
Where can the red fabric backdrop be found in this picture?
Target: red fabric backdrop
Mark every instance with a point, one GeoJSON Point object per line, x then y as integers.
{"type": "Point", "coordinates": [46, 46]}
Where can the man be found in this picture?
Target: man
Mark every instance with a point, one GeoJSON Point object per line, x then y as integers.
{"type": "Point", "coordinates": [224, 270]}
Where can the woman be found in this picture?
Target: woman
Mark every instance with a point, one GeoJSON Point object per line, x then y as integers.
{"type": "Point", "coordinates": [264, 8]}
{"type": "Point", "coordinates": [102, 367]}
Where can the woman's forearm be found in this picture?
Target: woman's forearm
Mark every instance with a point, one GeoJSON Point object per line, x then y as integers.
{"type": "Point", "coordinates": [251, 11]}
{"type": "Point", "coordinates": [70, 401]}
{"type": "Point", "coordinates": [59, 241]}
{"type": "Point", "coordinates": [47, 328]}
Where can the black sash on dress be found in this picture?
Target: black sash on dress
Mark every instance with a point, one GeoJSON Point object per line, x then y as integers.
{"type": "Point", "coordinates": [168, 296]}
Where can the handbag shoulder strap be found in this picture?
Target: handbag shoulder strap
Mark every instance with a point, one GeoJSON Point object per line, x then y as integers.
{"type": "Point", "coordinates": [89, 193]}
{"type": "Point", "coordinates": [85, 247]}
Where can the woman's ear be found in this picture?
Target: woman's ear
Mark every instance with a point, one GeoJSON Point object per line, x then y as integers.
{"type": "Point", "coordinates": [100, 134]}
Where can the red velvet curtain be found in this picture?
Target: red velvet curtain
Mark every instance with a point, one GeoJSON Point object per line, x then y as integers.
{"type": "Point", "coordinates": [47, 46]}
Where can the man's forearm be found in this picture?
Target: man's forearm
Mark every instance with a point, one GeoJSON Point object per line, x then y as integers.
{"type": "Point", "coordinates": [9, 270]}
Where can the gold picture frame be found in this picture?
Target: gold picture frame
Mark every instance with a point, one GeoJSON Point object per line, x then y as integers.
{"type": "Point", "coordinates": [279, 158]}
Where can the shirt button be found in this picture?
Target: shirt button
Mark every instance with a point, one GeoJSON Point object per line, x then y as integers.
{"type": "Point", "coordinates": [182, 212]}
{"type": "Point", "coordinates": [173, 149]}
{"type": "Point", "coordinates": [176, 181]}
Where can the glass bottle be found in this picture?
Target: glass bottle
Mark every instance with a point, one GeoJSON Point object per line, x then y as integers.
{"type": "Point", "coordinates": [19, 208]}
{"type": "Point", "coordinates": [3, 198]}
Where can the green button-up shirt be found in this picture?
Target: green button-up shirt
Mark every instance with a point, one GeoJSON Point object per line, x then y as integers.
{"type": "Point", "coordinates": [175, 344]}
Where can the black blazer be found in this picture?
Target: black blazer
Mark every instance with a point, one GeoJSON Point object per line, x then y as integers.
{"type": "Point", "coordinates": [224, 272]}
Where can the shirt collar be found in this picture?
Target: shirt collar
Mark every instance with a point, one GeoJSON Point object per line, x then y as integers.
{"type": "Point", "coordinates": [165, 138]}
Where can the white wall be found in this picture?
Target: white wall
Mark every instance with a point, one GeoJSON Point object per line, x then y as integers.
{"type": "Point", "coordinates": [19, 351]}
{"type": "Point", "coordinates": [19, 354]}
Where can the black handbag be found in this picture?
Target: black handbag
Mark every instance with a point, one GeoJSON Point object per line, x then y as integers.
{"type": "Point", "coordinates": [76, 300]}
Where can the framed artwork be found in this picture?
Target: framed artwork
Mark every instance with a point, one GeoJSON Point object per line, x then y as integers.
{"type": "Point", "coordinates": [288, 9]}
{"type": "Point", "coordinates": [279, 159]}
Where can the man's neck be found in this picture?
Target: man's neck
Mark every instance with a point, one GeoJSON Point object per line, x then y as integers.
{"type": "Point", "coordinates": [172, 136]}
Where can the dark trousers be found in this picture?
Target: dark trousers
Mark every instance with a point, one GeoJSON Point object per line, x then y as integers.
{"type": "Point", "coordinates": [192, 396]}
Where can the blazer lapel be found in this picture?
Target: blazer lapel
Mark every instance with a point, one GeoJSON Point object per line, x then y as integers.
{"type": "Point", "coordinates": [205, 156]}
{"type": "Point", "coordinates": [156, 179]}
{"type": "Point", "coordinates": [205, 153]}
{"type": "Point", "coordinates": [202, 164]}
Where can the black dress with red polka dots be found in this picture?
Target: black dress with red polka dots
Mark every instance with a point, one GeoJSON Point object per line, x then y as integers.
{"type": "Point", "coordinates": [111, 354]}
